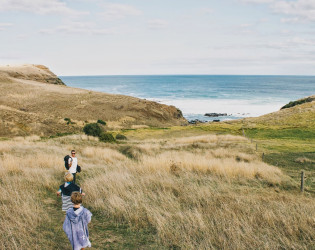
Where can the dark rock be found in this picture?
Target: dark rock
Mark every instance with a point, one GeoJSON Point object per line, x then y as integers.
{"type": "Point", "coordinates": [215, 114]}
{"type": "Point", "coordinates": [216, 120]}
{"type": "Point", "coordinates": [196, 121]}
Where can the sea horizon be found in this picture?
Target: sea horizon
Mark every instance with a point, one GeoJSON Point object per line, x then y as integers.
{"type": "Point", "coordinates": [184, 75]}
{"type": "Point", "coordinates": [238, 96]}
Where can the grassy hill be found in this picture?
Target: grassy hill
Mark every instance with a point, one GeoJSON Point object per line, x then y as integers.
{"type": "Point", "coordinates": [34, 101]}
{"type": "Point", "coordinates": [300, 115]}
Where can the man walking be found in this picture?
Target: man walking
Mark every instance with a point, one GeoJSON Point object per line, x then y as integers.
{"type": "Point", "coordinates": [73, 163]}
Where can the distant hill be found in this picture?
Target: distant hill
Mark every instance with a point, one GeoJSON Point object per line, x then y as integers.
{"type": "Point", "coordinates": [35, 101]}
{"type": "Point", "coordinates": [300, 113]}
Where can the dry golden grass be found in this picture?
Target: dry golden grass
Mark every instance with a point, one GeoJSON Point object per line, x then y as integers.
{"type": "Point", "coordinates": [207, 164]}
{"type": "Point", "coordinates": [105, 155]}
{"type": "Point", "coordinates": [24, 177]}
{"type": "Point", "coordinates": [213, 195]}
{"type": "Point", "coordinates": [193, 193]}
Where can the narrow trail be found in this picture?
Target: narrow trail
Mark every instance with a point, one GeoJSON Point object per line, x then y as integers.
{"type": "Point", "coordinates": [53, 234]}
{"type": "Point", "coordinates": [104, 234]}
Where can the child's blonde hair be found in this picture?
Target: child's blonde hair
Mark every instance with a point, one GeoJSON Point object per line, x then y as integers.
{"type": "Point", "coordinates": [76, 198]}
{"type": "Point", "coordinates": [68, 177]}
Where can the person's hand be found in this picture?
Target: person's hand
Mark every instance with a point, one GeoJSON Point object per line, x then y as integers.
{"type": "Point", "coordinates": [83, 194]}
{"type": "Point", "coordinates": [58, 193]}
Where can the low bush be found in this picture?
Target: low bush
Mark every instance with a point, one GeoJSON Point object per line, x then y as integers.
{"type": "Point", "coordinates": [68, 120]}
{"type": "Point", "coordinates": [106, 137]}
{"type": "Point", "coordinates": [92, 129]}
{"type": "Point", "coordinates": [101, 122]}
{"type": "Point", "coordinates": [121, 137]}
{"type": "Point", "coordinates": [298, 102]}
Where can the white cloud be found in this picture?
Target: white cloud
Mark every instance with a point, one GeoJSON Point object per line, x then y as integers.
{"type": "Point", "coordinates": [290, 20]}
{"type": "Point", "coordinates": [206, 11]}
{"type": "Point", "coordinates": [3, 26]}
{"type": "Point", "coordinates": [119, 11]}
{"type": "Point", "coordinates": [78, 28]}
{"type": "Point", "coordinates": [257, 1]}
{"type": "Point", "coordinates": [300, 10]}
{"type": "Point", "coordinates": [41, 7]}
{"type": "Point", "coordinates": [157, 24]}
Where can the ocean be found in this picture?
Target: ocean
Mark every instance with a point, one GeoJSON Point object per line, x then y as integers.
{"type": "Point", "coordinates": [195, 95]}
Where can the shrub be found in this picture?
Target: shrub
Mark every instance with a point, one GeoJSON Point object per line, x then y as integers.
{"type": "Point", "coordinates": [121, 137]}
{"type": "Point", "coordinates": [101, 122]}
{"type": "Point", "coordinates": [106, 137]}
{"type": "Point", "coordinates": [92, 129]}
{"type": "Point", "coordinates": [298, 102]}
{"type": "Point", "coordinates": [68, 120]}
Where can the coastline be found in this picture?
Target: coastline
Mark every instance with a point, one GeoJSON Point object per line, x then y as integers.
{"type": "Point", "coordinates": [239, 96]}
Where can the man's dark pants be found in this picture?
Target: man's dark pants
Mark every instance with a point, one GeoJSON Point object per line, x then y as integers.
{"type": "Point", "coordinates": [74, 174]}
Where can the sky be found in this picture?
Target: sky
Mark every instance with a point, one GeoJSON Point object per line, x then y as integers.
{"type": "Point", "coordinates": [144, 37]}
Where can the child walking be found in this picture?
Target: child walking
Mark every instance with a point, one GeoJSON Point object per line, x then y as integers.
{"type": "Point", "coordinates": [76, 223]}
{"type": "Point", "coordinates": [65, 190]}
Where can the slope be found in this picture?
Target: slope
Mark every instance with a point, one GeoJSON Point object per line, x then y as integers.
{"type": "Point", "coordinates": [34, 101]}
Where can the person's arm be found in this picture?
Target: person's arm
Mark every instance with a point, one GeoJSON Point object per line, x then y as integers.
{"type": "Point", "coordinates": [70, 162]}
{"type": "Point", "coordinates": [88, 216]}
{"type": "Point", "coordinates": [59, 192]}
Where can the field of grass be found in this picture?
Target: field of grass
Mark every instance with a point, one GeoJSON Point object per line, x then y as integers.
{"type": "Point", "coordinates": [193, 187]}
{"type": "Point", "coordinates": [282, 146]}
{"type": "Point", "coordinates": [227, 185]}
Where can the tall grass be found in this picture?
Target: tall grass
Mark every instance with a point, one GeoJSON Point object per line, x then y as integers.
{"type": "Point", "coordinates": [192, 193]}
{"type": "Point", "coordinates": [196, 211]}
{"type": "Point", "coordinates": [24, 177]}
{"type": "Point", "coordinates": [204, 197]}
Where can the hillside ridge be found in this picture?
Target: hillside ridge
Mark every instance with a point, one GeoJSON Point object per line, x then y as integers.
{"type": "Point", "coordinates": [33, 72]}
{"type": "Point", "coordinates": [35, 101]}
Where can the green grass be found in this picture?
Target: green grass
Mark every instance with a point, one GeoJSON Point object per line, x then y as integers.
{"type": "Point", "coordinates": [296, 134]}
{"type": "Point", "coordinates": [288, 162]}
{"type": "Point", "coordinates": [106, 234]}
{"type": "Point", "coordinates": [182, 131]}
{"type": "Point", "coordinates": [58, 135]}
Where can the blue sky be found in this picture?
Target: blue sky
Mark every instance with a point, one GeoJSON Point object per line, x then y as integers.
{"type": "Point", "coordinates": [94, 37]}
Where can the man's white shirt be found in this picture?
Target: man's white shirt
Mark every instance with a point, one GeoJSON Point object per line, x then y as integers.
{"type": "Point", "coordinates": [74, 165]}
